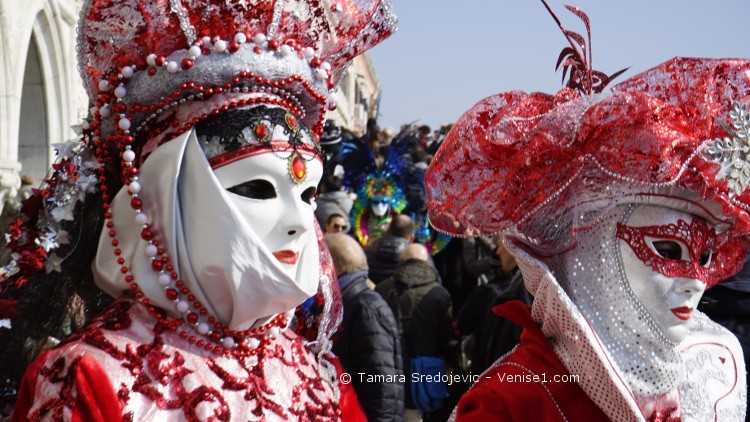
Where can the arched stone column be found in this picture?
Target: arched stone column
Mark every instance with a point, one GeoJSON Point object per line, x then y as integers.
{"type": "Point", "coordinates": [50, 25]}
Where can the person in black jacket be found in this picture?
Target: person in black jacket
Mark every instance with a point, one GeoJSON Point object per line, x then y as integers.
{"type": "Point", "coordinates": [492, 335]}
{"type": "Point", "coordinates": [422, 307]}
{"type": "Point", "coordinates": [368, 344]}
{"type": "Point", "coordinates": [384, 254]}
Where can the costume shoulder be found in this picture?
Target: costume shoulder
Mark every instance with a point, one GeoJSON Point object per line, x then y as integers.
{"type": "Point", "coordinates": [73, 380]}
{"type": "Point", "coordinates": [716, 383]}
{"type": "Point", "coordinates": [531, 373]}
{"type": "Point", "coordinates": [67, 384]}
{"type": "Point", "coordinates": [503, 393]}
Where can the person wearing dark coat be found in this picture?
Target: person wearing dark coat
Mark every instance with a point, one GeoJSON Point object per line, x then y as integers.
{"type": "Point", "coordinates": [479, 258]}
{"type": "Point", "coordinates": [368, 344]}
{"type": "Point", "coordinates": [422, 307]}
{"type": "Point", "coordinates": [385, 253]}
{"type": "Point", "coordinates": [493, 336]}
{"type": "Point", "coordinates": [464, 264]}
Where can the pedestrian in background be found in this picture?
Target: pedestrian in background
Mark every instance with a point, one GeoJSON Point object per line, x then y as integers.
{"type": "Point", "coordinates": [368, 342]}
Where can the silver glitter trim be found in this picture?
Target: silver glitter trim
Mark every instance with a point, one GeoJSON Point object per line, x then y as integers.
{"type": "Point", "coordinates": [182, 15]}
{"type": "Point", "coordinates": [278, 8]}
{"type": "Point", "coordinates": [218, 68]}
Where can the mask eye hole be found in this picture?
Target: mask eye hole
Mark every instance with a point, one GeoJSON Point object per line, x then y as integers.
{"type": "Point", "coordinates": [705, 258]}
{"type": "Point", "coordinates": [668, 249]}
{"type": "Point", "coordinates": [309, 194]}
{"type": "Point", "coordinates": [255, 189]}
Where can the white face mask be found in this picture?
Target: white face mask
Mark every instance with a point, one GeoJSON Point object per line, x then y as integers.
{"type": "Point", "coordinates": [221, 244]}
{"type": "Point", "coordinates": [670, 301]}
{"type": "Point", "coordinates": [279, 210]}
{"type": "Point", "coordinates": [379, 208]}
{"type": "Point", "coordinates": [622, 299]}
{"type": "Point", "coordinates": [261, 255]}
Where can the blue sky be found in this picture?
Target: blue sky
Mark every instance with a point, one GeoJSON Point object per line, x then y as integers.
{"type": "Point", "coordinates": [449, 54]}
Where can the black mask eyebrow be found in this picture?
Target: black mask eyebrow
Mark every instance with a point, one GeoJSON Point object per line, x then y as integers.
{"type": "Point", "coordinates": [227, 127]}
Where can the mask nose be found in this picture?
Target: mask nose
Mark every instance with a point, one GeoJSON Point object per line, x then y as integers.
{"type": "Point", "coordinates": [293, 223]}
{"type": "Point", "coordinates": [689, 286]}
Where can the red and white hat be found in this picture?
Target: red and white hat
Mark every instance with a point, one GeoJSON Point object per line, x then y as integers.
{"type": "Point", "coordinates": [675, 135]}
{"type": "Point", "coordinates": [141, 59]}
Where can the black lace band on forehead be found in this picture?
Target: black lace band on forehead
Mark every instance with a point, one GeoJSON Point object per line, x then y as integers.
{"type": "Point", "coordinates": [233, 130]}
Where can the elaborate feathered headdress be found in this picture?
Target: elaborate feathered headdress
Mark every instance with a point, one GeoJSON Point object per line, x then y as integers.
{"type": "Point", "coordinates": [398, 182]}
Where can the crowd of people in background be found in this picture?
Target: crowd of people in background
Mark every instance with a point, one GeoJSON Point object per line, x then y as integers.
{"type": "Point", "coordinates": [408, 310]}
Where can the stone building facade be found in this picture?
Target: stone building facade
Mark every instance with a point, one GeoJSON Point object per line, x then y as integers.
{"type": "Point", "coordinates": [41, 95]}
{"type": "Point", "coordinates": [358, 95]}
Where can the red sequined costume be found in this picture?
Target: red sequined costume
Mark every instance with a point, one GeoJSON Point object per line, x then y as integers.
{"type": "Point", "coordinates": [194, 103]}
{"type": "Point", "coordinates": [159, 374]}
{"type": "Point", "coordinates": [504, 391]}
{"type": "Point", "coordinates": [656, 162]}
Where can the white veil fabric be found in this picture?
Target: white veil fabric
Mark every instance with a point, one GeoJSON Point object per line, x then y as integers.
{"type": "Point", "coordinates": [603, 335]}
{"type": "Point", "coordinates": [215, 251]}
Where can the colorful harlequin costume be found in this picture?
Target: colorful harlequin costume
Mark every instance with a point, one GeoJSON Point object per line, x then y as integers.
{"type": "Point", "coordinates": [380, 191]}
{"type": "Point", "coordinates": [208, 114]}
{"type": "Point", "coordinates": [394, 188]}
{"type": "Point", "coordinates": [645, 206]}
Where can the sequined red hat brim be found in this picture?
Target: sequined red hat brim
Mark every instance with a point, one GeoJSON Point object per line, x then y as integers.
{"type": "Point", "coordinates": [516, 159]}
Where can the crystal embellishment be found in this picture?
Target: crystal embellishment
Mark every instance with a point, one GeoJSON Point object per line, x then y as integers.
{"type": "Point", "coordinates": [297, 168]}
{"type": "Point", "coordinates": [734, 153]}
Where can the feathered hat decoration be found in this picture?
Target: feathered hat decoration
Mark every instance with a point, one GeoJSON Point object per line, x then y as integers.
{"type": "Point", "coordinates": [543, 165]}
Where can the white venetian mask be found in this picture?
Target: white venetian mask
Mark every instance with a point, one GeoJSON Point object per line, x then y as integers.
{"type": "Point", "coordinates": [663, 251]}
{"type": "Point", "coordinates": [278, 209]}
{"type": "Point", "coordinates": [379, 208]}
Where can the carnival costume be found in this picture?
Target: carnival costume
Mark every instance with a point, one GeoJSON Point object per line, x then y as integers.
{"type": "Point", "coordinates": [394, 188]}
{"type": "Point", "coordinates": [620, 209]}
{"type": "Point", "coordinates": [379, 193]}
{"type": "Point", "coordinates": [208, 112]}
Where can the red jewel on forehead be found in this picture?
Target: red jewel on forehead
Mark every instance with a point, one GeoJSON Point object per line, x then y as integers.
{"type": "Point", "coordinates": [291, 122]}
{"type": "Point", "coordinates": [262, 132]}
{"type": "Point", "coordinates": [297, 168]}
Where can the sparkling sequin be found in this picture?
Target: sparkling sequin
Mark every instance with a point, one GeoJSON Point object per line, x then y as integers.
{"type": "Point", "coordinates": [155, 368]}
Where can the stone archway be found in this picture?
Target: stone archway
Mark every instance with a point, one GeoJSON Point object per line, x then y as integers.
{"type": "Point", "coordinates": [33, 145]}
{"type": "Point", "coordinates": [40, 94]}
